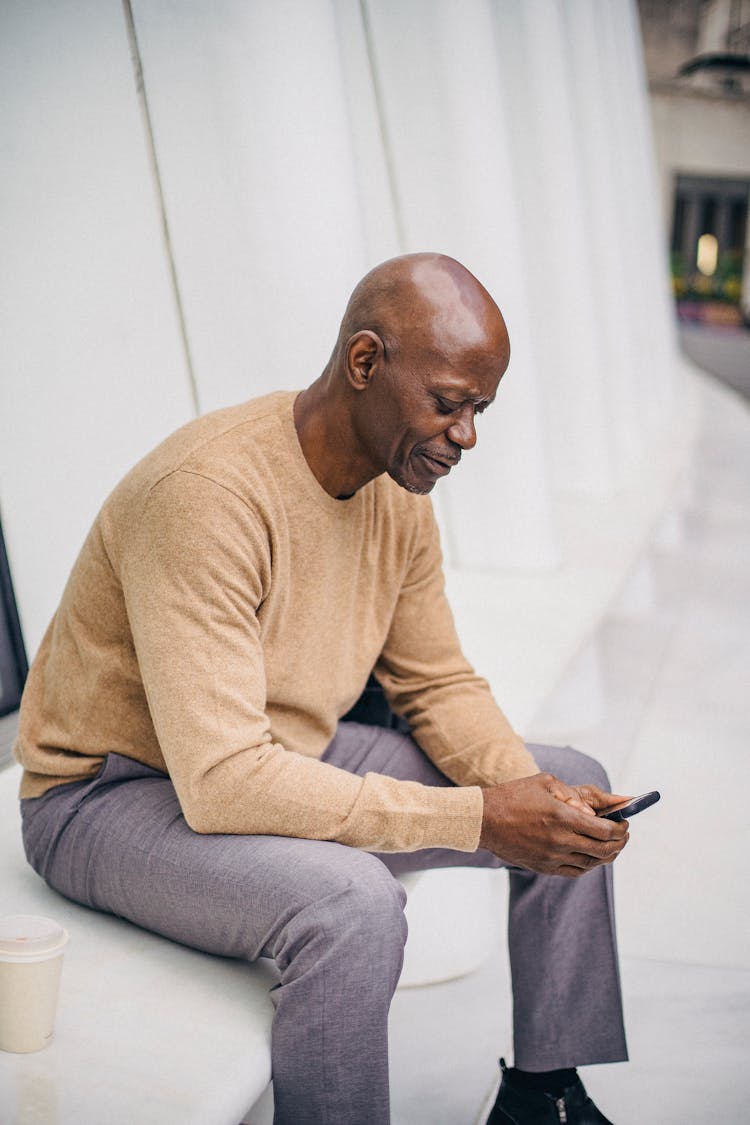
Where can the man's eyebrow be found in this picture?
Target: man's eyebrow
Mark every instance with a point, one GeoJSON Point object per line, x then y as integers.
{"type": "Point", "coordinates": [456, 396]}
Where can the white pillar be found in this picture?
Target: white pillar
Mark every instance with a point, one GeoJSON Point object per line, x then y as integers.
{"type": "Point", "coordinates": [534, 66]}
{"type": "Point", "coordinates": [638, 181]}
{"type": "Point", "coordinates": [637, 596]}
{"type": "Point", "coordinates": [93, 370]}
{"type": "Point", "coordinates": [370, 144]}
{"type": "Point", "coordinates": [248, 104]}
{"type": "Point", "coordinates": [447, 131]}
{"type": "Point", "coordinates": [612, 279]}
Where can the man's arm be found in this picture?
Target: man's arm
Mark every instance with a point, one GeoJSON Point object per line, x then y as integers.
{"type": "Point", "coordinates": [530, 819]}
{"type": "Point", "coordinates": [450, 709]}
{"type": "Point", "coordinates": [194, 575]}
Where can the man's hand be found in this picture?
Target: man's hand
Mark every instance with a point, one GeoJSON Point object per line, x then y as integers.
{"type": "Point", "coordinates": [549, 827]}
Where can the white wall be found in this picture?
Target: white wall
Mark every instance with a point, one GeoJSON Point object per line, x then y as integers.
{"type": "Point", "coordinates": [298, 142]}
{"type": "Point", "coordinates": [550, 171]}
{"type": "Point", "coordinates": [93, 372]}
{"type": "Point", "coordinates": [248, 104]}
{"type": "Point", "coordinates": [445, 119]}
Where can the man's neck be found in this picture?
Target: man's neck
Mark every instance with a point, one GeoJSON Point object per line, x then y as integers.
{"type": "Point", "coordinates": [326, 436]}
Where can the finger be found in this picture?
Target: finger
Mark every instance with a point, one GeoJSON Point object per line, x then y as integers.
{"type": "Point", "coordinates": [597, 853]}
{"type": "Point", "coordinates": [569, 795]}
{"type": "Point", "coordinates": [589, 825]}
{"type": "Point", "coordinates": [596, 827]}
{"type": "Point", "coordinates": [603, 851]}
{"type": "Point", "coordinates": [598, 798]}
{"type": "Point", "coordinates": [583, 857]}
{"type": "Point", "coordinates": [560, 789]}
{"type": "Point", "coordinates": [576, 803]}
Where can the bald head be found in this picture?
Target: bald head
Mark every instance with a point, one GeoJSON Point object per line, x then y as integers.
{"type": "Point", "coordinates": [420, 353]}
{"type": "Point", "coordinates": [425, 302]}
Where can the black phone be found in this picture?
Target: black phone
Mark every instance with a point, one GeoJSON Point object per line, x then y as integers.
{"type": "Point", "coordinates": [626, 809]}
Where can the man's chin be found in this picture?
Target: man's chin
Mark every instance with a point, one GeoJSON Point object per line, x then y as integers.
{"type": "Point", "coordinates": [419, 488]}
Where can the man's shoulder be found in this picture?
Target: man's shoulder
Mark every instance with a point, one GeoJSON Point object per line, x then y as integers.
{"type": "Point", "coordinates": [219, 433]}
{"type": "Point", "coordinates": [230, 448]}
{"type": "Point", "coordinates": [209, 445]}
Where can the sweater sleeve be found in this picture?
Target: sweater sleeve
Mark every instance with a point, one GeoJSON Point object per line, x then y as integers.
{"type": "Point", "coordinates": [194, 574]}
{"type": "Point", "coordinates": [427, 680]}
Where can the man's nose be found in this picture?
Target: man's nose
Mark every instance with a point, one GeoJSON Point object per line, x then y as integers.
{"type": "Point", "coordinates": [462, 431]}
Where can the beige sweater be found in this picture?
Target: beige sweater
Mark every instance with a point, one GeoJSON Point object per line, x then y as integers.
{"type": "Point", "coordinates": [225, 612]}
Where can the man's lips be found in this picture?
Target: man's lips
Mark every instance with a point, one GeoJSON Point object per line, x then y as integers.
{"type": "Point", "coordinates": [439, 464]}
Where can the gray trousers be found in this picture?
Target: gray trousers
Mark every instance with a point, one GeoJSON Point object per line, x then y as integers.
{"type": "Point", "coordinates": [332, 919]}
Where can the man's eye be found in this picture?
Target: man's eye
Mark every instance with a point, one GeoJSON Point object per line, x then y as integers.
{"type": "Point", "coordinates": [446, 407]}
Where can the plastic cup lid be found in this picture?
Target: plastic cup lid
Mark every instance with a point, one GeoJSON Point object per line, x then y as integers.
{"type": "Point", "coordinates": [30, 937]}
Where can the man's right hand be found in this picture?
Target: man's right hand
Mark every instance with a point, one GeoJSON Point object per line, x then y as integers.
{"type": "Point", "coordinates": [549, 827]}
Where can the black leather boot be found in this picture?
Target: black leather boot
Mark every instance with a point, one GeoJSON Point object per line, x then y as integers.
{"type": "Point", "coordinates": [516, 1105]}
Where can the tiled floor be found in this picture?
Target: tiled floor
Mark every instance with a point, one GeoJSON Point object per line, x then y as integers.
{"type": "Point", "coordinates": [722, 350]}
{"type": "Point", "coordinates": [675, 716]}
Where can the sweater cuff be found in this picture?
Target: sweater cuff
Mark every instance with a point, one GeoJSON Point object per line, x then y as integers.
{"type": "Point", "coordinates": [455, 820]}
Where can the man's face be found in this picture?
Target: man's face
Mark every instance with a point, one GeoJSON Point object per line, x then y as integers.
{"type": "Point", "coordinates": [423, 415]}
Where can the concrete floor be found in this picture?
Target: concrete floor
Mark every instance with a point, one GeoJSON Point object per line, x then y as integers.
{"type": "Point", "coordinates": [725, 352]}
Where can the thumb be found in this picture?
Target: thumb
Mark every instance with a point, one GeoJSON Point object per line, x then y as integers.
{"type": "Point", "coordinates": [582, 806]}
{"type": "Point", "coordinates": [599, 799]}
{"type": "Point", "coordinates": [571, 795]}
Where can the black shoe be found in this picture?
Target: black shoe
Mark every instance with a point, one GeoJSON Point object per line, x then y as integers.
{"type": "Point", "coordinates": [515, 1105]}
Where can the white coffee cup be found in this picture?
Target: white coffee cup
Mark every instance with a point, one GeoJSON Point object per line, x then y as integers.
{"type": "Point", "coordinates": [31, 954]}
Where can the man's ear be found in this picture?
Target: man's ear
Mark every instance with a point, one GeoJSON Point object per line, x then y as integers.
{"type": "Point", "coordinates": [364, 354]}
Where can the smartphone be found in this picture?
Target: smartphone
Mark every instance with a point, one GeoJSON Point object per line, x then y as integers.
{"type": "Point", "coordinates": [626, 809]}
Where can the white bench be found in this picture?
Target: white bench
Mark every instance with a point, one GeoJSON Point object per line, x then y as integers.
{"type": "Point", "coordinates": [149, 1031]}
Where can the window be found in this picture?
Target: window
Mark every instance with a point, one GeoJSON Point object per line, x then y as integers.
{"type": "Point", "coordinates": [709, 222]}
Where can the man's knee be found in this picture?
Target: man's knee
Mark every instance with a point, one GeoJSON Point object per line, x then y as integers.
{"type": "Point", "coordinates": [570, 765]}
{"type": "Point", "coordinates": [370, 906]}
{"type": "Point", "coordinates": [362, 911]}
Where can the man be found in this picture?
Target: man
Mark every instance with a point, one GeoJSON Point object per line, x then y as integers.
{"type": "Point", "coordinates": [184, 762]}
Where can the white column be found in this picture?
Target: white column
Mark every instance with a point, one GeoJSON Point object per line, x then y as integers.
{"type": "Point", "coordinates": [612, 278]}
{"type": "Point", "coordinates": [93, 371]}
{"type": "Point", "coordinates": [248, 105]}
{"type": "Point", "coordinates": [557, 238]}
{"type": "Point", "coordinates": [648, 236]}
{"type": "Point", "coordinates": [447, 131]}
{"type": "Point", "coordinates": [373, 158]}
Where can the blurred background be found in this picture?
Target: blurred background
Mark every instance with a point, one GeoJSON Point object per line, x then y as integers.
{"type": "Point", "coordinates": [189, 193]}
